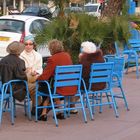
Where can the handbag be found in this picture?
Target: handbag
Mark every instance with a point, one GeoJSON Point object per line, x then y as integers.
{"type": "Point", "coordinates": [19, 91]}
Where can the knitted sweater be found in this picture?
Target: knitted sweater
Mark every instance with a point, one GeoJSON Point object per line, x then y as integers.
{"type": "Point", "coordinates": [33, 60]}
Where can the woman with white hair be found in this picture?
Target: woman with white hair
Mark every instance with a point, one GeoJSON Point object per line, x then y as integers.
{"type": "Point", "coordinates": [90, 54]}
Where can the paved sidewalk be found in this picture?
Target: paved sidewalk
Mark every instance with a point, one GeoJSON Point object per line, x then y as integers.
{"type": "Point", "coordinates": [104, 127]}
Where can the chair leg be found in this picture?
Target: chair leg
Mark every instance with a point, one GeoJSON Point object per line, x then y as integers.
{"type": "Point", "coordinates": [69, 100]}
{"type": "Point", "coordinates": [36, 108]}
{"type": "Point", "coordinates": [137, 68]}
{"type": "Point", "coordinates": [1, 110]}
{"type": "Point", "coordinates": [83, 108]}
{"type": "Point", "coordinates": [89, 107]}
{"type": "Point", "coordinates": [114, 104]}
{"type": "Point", "coordinates": [28, 108]}
{"type": "Point", "coordinates": [6, 104]}
{"type": "Point", "coordinates": [54, 112]}
{"type": "Point", "coordinates": [124, 98]}
{"type": "Point", "coordinates": [100, 111]}
{"type": "Point", "coordinates": [108, 99]}
{"type": "Point", "coordinates": [25, 106]}
{"type": "Point", "coordinates": [12, 109]}
{"type": "Point", "coordinates": [65, 105]}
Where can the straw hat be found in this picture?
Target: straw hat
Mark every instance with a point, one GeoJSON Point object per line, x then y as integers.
{"type": "Point", "coordinates": [15, 48]}
{"type": "Point", "coordinates": [88, 47]}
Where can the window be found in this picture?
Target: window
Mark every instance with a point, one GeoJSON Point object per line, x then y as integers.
{"type": "Point", "coordinates": [37, 26]}
{"type": "Point", "coordinates": [11, 25]}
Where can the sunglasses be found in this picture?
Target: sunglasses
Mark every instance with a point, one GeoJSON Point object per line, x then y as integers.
{"type": "Point", "coordinates": [29, 44]}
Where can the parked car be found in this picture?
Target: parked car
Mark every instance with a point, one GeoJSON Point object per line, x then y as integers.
{"type": "Point", "coordinates": [41, 11]}
{"type": "Point", "coordinates": [67, 11]}
{"type": "Point", "coordinates": [74, 9]}
{"type": "Point", "coordinates": [93, 9]}
{"type": "Point", "coordinates": [16, 27]}
{"type": "Point", "coordinates": [13, 11]}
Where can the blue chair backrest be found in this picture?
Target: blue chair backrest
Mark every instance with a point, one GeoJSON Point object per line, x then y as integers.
{"type": "Point", "coordinates": [69, 75]}
{"type": "Point", "coordinates": [119, 64]}
{"type": "Point", "coordinates": [101, 72]}
{"type": "Point", "coordinates": [135, 34]}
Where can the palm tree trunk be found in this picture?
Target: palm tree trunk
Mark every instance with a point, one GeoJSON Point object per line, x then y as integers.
{"type": "Point", "coordinates": [61, 5]}
{"type": "Point", "coordinates": [113, 8]}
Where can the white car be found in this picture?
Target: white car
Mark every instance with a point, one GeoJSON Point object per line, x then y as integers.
{"type": "Point", "coordinates": [93, 9]}
{"type": "Point", "coordinates": [16, 27]}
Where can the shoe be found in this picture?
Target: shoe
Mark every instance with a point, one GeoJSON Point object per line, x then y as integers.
{"type": "Point", "coordinates": [33, 111]}
{"type": "Point", "coordinates": [48, 110]}
{"type": "Point", "coordinates": [60, 116]}
{"type": "Point", "coordinates": [42, 117]}
{"type": "Point", "coordinates": [74, 111]}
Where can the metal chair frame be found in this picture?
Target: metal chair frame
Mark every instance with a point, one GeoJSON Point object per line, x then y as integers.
{"type": "Point", "coordinates": [7, 102]}
{"type": "Point", "coordinates": [100, 72]}
{"type": "Point", "coordinates": [119, 63]}
{"type": "Point", "coordinates": [70, 75]}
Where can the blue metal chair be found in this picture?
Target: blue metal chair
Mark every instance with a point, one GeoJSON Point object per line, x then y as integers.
{"type": "Point", "coordinates": [133, 58]}
{"type": "Point", "coordinates": [118, 71]}
{"type": "Point", "coordinates": [5, 98]}
{"type": "Point", "coordinates": [131, 53]}
{"type": "Point", "coordinates": [101, 72]}
{"type": "Point", "coordinates": [7, 102]}
{"type": "Point", "coordinates": [70, 75]}
{"type": "Point", "coordinates": [132, 50]}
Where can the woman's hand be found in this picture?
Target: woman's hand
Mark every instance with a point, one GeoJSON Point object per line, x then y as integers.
{"type": "Point", "coordinates": [28, 70]}
{"type": "Point", "coordinates": [34, 73]}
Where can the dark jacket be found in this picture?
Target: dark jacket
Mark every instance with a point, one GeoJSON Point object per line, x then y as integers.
{"type": "Point", "coordinates": [86, 60]}
{"type": "Point", "coordinates": [11, 68]}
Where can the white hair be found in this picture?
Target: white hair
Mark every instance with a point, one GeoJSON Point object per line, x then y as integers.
{"type": "Point", "coordinates": [88, 47]}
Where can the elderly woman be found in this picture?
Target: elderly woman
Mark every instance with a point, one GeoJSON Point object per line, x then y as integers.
{"type": "Point", "coordinates": [12, 67]}
{"type": "Point", "coordinates": [90, 54]}
{"type": "Point", "coordinates": [59, 57]}
{"type": "Point", "coordinates": [33, 63]}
